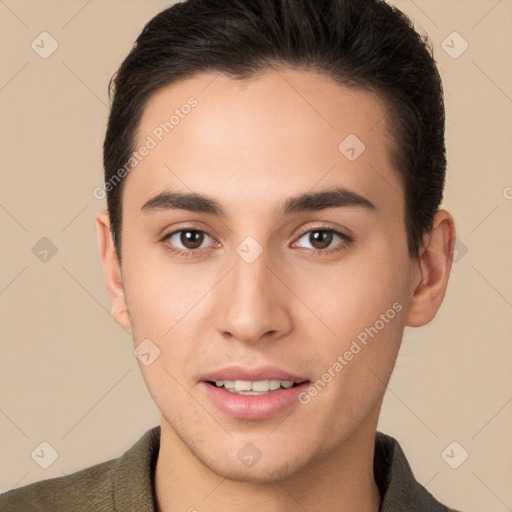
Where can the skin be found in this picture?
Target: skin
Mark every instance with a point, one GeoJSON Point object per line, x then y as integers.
{"type": "Point", "coordinates": [250, 146]}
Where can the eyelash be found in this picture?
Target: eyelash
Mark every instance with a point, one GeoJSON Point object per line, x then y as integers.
{"type": "Point", "coordinates": [347, 241]}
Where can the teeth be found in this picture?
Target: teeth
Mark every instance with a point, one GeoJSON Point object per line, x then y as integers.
{"type": "Point", "coordinates": [260, 385]}
{"type": "Point", "coordinates": [243, 385]}
{"type": "Point", "coordinates": [253, 387]}
{"type": "Point", "coordinates": [275, 384]}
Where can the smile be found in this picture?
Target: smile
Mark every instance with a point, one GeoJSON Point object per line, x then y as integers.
{"type": "Point", "coordinates": [253, 387]}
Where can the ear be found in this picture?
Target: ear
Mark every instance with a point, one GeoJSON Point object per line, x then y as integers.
{"type": "Point", "coordinates": [431, 276]}
{"type": "Point", "coordinates": [112, 270]}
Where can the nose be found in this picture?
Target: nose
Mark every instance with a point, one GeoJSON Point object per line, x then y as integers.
{"type": "Point", "coordinates": [254, 303]}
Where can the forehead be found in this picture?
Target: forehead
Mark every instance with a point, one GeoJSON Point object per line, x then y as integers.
{"type": "Point", "coordinates": [274, 135]}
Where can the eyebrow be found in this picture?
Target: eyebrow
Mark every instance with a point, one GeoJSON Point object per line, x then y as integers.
{"type": "Point", "coordinates": [316, 201]}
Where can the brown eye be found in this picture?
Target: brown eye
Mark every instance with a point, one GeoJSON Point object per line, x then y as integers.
{"type": "Point", "coordinates": [192, 239]}
{"type": "Point", "coordinates": [188, 239]}
{"type": "Point", "coordinates": [322, 239]}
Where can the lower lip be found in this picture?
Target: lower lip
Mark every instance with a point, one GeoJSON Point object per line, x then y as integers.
{"type": "Point", "coordinates": [253, 407]}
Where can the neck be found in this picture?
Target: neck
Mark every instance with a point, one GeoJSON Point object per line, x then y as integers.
{"type": "Point", "coordinates": [340, 480]}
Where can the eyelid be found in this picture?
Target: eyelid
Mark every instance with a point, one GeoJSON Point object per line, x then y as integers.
{"type": "Point", "coordinates": [325, 226]}
{"type": "Point", "coordinates": [184, 227]}
{"type": "Point", "coordinates": [347, 239]}
{"type": "Point", "coordinates": [322, 227]}
{"type": "Point", "coordinates": [167, 234]}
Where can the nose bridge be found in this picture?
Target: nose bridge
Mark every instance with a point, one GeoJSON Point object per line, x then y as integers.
{"type": "Point", "coordinates": [253, 304]}
{"type": "Point", "coordinates": [250, 281]}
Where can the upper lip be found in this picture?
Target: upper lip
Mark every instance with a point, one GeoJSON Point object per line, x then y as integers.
{"type": "Point", "coordinates": [252, 374]}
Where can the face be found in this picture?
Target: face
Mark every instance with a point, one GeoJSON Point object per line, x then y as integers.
{"type": "Point", "coordinates": [265, 246]}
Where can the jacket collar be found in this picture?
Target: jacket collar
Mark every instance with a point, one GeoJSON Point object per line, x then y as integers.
{"type": "Point", "coordinates": [400, 492]}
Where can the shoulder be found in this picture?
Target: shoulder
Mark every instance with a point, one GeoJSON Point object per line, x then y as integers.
{"type": "Point", "coordinates": [88, 489]}
{"type": "Point", "coordinates": [400, 490]}
{"type": "Point", "coordinates": [122, 484]}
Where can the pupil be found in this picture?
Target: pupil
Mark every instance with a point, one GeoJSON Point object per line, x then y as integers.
{"type": "Point", "coordinates": [320, 239]}
{"type": "Point", "coordinates": [192, 239]}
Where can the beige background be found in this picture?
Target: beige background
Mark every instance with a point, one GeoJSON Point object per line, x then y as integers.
{"type": "Point", "coordinates": [68, 375]}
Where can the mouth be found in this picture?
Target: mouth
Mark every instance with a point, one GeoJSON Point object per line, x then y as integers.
{"type": "Point", "coordinates": [254, 387]}
{"type": "Point", "coordinates": [252, 394]}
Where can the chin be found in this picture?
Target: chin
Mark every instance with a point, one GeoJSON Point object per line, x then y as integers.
{"type": "Point", "coordinates": [260, 473]}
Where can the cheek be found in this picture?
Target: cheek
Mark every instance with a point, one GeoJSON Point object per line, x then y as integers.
{"type": "Point", "coordinates": [351, 294]}
{"type": "Point", "coordinates": [363, 304]}
{"type": "Point", "coordinates": [159, 294]}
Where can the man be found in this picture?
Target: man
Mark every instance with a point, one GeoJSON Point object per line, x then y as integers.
{"type": "Point", "coordinates": [273, 171]}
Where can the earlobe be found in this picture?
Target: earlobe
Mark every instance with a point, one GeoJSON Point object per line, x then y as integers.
{"type": "Point", "coordinates": [112, 270]}
{"type": "Point", "coordinates": [434, 266]}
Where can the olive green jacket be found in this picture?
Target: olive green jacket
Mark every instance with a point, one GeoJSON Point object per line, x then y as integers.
{"type": "Point", "coordinates": [126, 484]}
